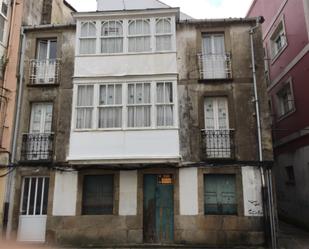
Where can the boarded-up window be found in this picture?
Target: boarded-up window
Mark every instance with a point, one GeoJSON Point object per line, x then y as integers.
{"type": "Point", "coordinates": [220, 194]}
{"type": "Point", "coordinates": [98, 195]}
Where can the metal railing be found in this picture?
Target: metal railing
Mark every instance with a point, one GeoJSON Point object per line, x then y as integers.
{"type": "Point", "coordinates": [218, 144]}
{"type": "Point", "coordinates": [215, 66]}
{"type": "Point", "coordinates": [37, 147]}
{"type": "Point", "coordinates": [44, 71]}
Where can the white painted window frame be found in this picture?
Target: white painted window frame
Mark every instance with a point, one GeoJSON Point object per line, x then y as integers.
{"type": "Point", "coordinates": [95, 119]}
{"type": "Point", "coordinates": [102, 37]}
{"type": "Point", "coordinates": [279, 109]}
{"type": "Point", "coordinates": [125, 22]}
{"type": "Point", "coordinates": [170, 34]}
{"type": "Point", "coordinates": [99, 106]}
{"type": "Point", "coordinates": [279, 31]}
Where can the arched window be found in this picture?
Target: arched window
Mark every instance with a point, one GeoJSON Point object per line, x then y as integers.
{"type": "Point", "coordinates": [111, 37]}
{"type": "Point", "coordinates": [139, 35]}
{"type": "Point", "coordinates": [163, 34]}
{"type": "Point", "coordinates": [87, 44]}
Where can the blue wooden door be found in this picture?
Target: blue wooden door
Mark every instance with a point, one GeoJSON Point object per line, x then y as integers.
{"type": "Point", "coordinates": [158, 210]}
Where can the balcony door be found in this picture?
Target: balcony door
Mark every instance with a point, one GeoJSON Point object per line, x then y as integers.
{"type": "Point", "coordinates": [39, 138]}
{"type": "Point", "coordinates": [33, 209]}
{"type": "Point", "coordinates": [217, 132]}
{"type": "Point", "coordinates": [46, 63]}
{"type": "Point", "coordinates": [213, 58]}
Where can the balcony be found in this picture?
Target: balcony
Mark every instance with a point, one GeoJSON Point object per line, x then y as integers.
{"type": "Point", "coordinates": [218, 144]}
{"type": "Point", "coordinates": [215, 66]}
{"type": "Point", "coordinates": [44, 71]}
{"type": "Point", "coordinates": [37, 147]}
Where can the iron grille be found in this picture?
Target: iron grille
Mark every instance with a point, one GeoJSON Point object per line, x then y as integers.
{"type": "Point", "coordinates": [37, 147]}
{"type": "Point", "coordinates": [44, 71]}
{"type": "Point", "coordinates": [218, 144]}
{"type": "Point", "coordinates": [215, 66]}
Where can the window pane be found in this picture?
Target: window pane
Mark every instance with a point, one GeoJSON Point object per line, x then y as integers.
{"type": "Point", "coordinates": [84, 118]}
{"type": "Point", "coordinates": [98, 195]}
{"type": "Point", "coordinates": [85, 96]}
{"type": "Point", "coordinates": [112, 45]}
{"type": "Point", "coordinates": [88, 29]}
{"type": "Point", "coordinates": [87, 46]}
{"type": "Point", "coordinates": [2, 26]}
{"type": "Point", "coordinates": [110, 117]}
{"type": "Point", "coordinates": [220, 194]}
{"type": "Point", "coordinates": [163, 26]}
{"type": "Point", "coordinates": [25, 196]}
{"type": "Point", "coordinates": [163, 42]}
{"type": "Point", "coordinates": [168, 93]}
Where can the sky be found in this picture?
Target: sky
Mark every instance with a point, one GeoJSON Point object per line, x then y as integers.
{"type": "Point", "coordinates": [200, 9]}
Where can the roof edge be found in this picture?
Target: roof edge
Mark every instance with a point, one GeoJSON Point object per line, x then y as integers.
{"type": "Point", "coordinates": [69, 6]}
{"type": "Point", "coordinates": [227, 20]}
{"type": "Point", "coordinates": [49, 26]}
{"type": "Point", "coordinates": [80, 14]}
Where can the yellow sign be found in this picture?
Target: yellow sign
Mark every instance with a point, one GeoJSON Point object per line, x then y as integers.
{"type": "Point", "coordinates": [165, 179]}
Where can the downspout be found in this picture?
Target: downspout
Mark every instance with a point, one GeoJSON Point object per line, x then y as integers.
{"type": "Point", "coordinates": [260, 20]}
{"type": "Point", "coordinates": [11, 186]}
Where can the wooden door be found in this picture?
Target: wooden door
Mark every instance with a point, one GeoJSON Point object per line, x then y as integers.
{"type": "Point", "coordinates": [158, 209]}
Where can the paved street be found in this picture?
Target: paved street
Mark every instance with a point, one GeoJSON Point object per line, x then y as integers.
{"type": "Point", "coordinates": [291, 237]}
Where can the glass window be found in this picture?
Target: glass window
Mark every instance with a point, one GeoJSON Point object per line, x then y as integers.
{"type": "Point", "coordinates": [285, 100]}
{"type": "Point", "coordinates": [112, 37]}
{"type": "Point", "coordinates": [110, 106]}
{"type": "Point", "coordinates": [278, 39]}
{"type": "Point", "coordinates": [220, 194]}
{"type": "Point", "coordinates": [139, 36]}
{"type": "Point", "coordinates": [165, 104]}
{"type": "Point", "coordinates": [139, 105]}
{"type": "Point", "coordinates": [84, 107]}
{"type": "Point", "coordinates": [87, 38]}
{"type": "Point", "coordinates": [98, 195]}
{"type": "Point", "coordinates": [163, 34]}
{"type": "Point", "coordinates": [2, 27]}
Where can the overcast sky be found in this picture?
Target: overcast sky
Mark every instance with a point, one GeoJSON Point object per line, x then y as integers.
{"type": "Point", "coordinates": [194, 8]}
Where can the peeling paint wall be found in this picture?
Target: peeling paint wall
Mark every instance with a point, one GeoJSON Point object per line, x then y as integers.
{"type": "Point", "coordinates": [238, 90]}
{"type": "Point", "coordinates": [128, 193]}
{"type": "Point", "coordinates": [252, 186]}
{"type": "Point", "coordinates": [188, 191]}
{"type": "Point", "coordinates": [65, 194]}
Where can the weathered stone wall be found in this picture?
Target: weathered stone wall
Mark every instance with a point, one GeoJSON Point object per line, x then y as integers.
{"type": "Point", "coordinates": [36, 12]}
{"type": "Point", "coordinates": [60, 95]}
{"type": "Point", "coordinates": [61, 13]}
{"type": "Point", "coordinates": [212, 230]}
{"type": "Point", "coordinates": [239, 90]}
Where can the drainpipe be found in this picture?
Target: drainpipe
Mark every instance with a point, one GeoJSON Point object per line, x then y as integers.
{"type": "Point", "coordinates": [11, 178]}
{"type": "Point", "coordinates": [265, 186]}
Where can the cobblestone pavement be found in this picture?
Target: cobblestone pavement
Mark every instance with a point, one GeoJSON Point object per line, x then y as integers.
{"type": "Point", "coordinates": [291, 237]}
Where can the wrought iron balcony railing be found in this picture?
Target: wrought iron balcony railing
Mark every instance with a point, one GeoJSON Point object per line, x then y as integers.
{"type": "Point", "coordinates": [37, 147]}
{"type": "Point", "coordinates": [215, 66]}
{"type": "Point", "coordinates": [218, 144]}
{"type": "Point", "coordinates": [44, 71]}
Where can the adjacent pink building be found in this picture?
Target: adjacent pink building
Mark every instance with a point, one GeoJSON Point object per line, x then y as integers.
{"type": "Point", "coordinates": [286, 43]}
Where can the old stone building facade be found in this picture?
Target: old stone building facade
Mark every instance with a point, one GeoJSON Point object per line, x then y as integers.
{"type": "Point", "coordinates": [150, 138]}
{"type": "Point", "coordinates": [13, 15]}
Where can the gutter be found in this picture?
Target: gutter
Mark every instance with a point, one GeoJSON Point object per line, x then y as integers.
{"type": "Point", "coordinates": [11, 177]}
{"type": "Point", "coordinates": [267, 191]}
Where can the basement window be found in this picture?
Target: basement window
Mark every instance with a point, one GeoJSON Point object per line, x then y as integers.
{"type": "Point", "coordinates": [220, 194]}
{"type": "Point", "coordinates": [98, 195]}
